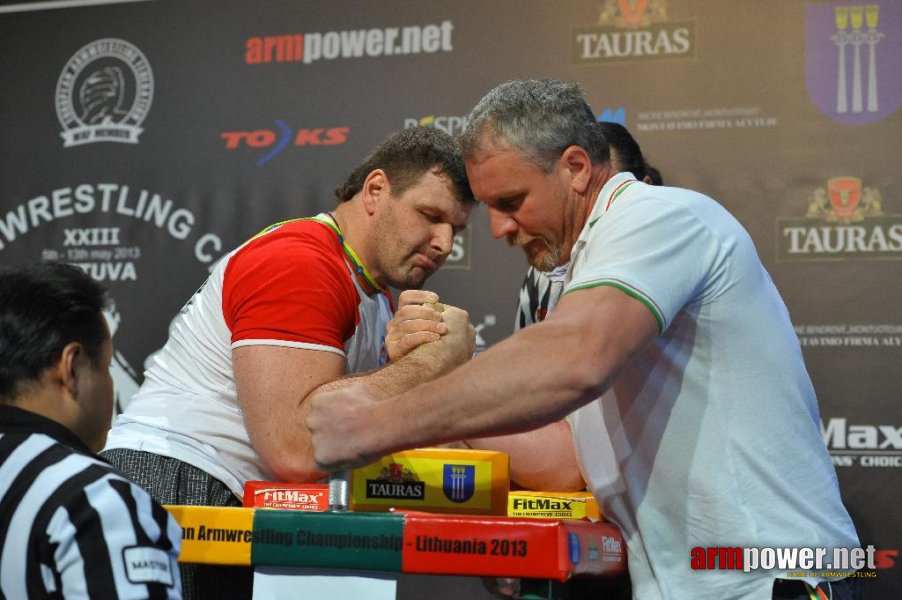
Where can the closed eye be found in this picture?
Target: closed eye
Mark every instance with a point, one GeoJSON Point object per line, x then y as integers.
{"type": "Point", "coordinates": [439, 218]}
{"type": "Point", "coordinates": [432, 218]}
{"type": "Point", "coordinates": [508, 205]}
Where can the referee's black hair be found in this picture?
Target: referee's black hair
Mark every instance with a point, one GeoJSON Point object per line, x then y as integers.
{"type": "Point", "coordinates": [627, 148]}
{"type": "Point", "coordinates": [43, 307]}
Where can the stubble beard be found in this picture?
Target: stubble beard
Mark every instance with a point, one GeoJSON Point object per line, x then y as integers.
{"type": "Point", "coordinates": [410, 277]}
{"type": "Point", "coordinates": [544, 257]}
{"type": "Point", "coordinates": [411, 282]}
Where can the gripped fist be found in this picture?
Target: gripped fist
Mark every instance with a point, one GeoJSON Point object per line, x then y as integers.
{"type": "Point", "coordinates": [339, 421]}
{"type": "Point", "coordinates": [417, 321]}
{"type": "Point", "coordinates": [454, 348]}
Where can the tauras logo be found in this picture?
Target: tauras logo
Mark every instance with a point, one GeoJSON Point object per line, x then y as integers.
{"type": "Point", "coordinates": [396, 481]}
{"type": "Point", "coordinates": [845, 220]}
{"type": "Point", "coordinates": [839, 435]}
{"type": "Point", "coordinates": [631, 30]}
{"type": "Point", "coordinates": [413, 490]}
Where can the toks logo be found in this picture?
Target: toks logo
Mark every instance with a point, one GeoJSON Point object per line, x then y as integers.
{"type": "Point", "coordinates": [633, 30]}
{"type": "Point", "coordinates": [845, 221]}
{"type": "Point", "coordinates": [276, 141]}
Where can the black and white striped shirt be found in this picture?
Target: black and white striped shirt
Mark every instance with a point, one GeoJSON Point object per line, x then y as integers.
{"type": "Point", "coordinates": [539, 294]}
{"type": "Point", "coordinates": [71, 526]}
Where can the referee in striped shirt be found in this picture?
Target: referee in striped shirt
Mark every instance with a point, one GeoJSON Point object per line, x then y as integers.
{"type": "Point", "coordinates": [70, 525]}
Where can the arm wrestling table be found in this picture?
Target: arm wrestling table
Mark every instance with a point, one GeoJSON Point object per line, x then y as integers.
{"type": "Point", "coordinates": [542, 552]}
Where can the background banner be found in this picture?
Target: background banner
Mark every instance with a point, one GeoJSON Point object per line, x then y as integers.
{"type": "Point", "coordinates": [144, 140]}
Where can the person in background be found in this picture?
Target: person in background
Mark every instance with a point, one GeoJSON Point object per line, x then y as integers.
{"type": "Point", "coordinates": [302, 306]}
{"type": "Point", "coordinates": [71, 526]}
{"type": "Point", "coordinates": [671, 353]}
{"type": "Point", "coordinates": [652, 175]}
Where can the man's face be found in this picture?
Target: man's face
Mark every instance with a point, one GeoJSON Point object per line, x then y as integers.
{"type": "Point", "coordinates": [414, 231]}
{"type": "Point", "coordinates": [526, 205]}
{"type": "Point", "coordinates": [95, 391]}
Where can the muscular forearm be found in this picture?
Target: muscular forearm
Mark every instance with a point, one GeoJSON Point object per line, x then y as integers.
{"type": "Point", "coordinates": [296, 462]}
{"type": "Point", "coordinates": [502, 391]}
{"type": "Point", "coordinates": [286, 446]}
{"type": "Point", "coordinates": [533, 378]}
{"type": "Point", "coordinates": [398, 377]}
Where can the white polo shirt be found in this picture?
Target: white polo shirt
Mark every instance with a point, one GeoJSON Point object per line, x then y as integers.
{"type": "Point", "coordinates": [711, 437]}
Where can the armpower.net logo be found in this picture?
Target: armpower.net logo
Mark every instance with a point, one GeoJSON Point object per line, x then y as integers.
{"type": "Point", "coordinates": [822, 563]}
{"type": "Point", "coordinates": [307, 48]}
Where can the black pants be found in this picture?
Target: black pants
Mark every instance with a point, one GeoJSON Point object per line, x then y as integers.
{"type": "Point", "coordinates": [794, 589]}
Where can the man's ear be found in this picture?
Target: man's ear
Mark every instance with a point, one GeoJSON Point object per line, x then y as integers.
{"type": "Point", "coordinates": [66, 369]}
{"type": "Point", "coordinates": [374, 187]}
{"type": "Point", "coordinates": [578, 166]}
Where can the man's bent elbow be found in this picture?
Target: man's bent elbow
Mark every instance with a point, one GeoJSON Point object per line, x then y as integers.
{"type": "Point", "coordinates": [585, 380]}
{"type": "Point", "coordinates": [560, 479]}
{"type": "Point", "coordinates": [296, 469]}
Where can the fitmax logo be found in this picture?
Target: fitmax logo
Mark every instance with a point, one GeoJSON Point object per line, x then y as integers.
{"type": "Point", "coordinates": [840, 436]}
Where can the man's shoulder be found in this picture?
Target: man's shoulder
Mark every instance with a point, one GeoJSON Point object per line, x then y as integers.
{"type": "Point", "coordinates": [288, 273]}
{"type": "Point", "coordinates": [289, 247]}
{"type": "Point", "coordinates": [298, 238]}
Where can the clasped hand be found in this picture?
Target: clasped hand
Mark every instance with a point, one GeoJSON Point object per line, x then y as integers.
{"type": "Point", "coordinates": [421, 319]}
